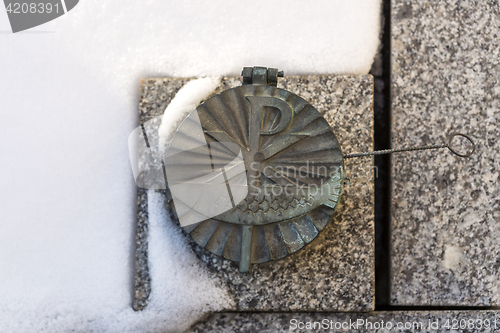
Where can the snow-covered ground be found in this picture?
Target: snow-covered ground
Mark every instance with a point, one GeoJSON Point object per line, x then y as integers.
{"type": "Point", "coordinates": [68, 101]}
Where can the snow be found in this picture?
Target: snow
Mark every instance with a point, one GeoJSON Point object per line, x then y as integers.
{"type": "Point", "coordinates": [191, 94]}
{"type": "Point", "coordinates": [69, 96]}
{"type": "Point", "coordinates": [173, 266]}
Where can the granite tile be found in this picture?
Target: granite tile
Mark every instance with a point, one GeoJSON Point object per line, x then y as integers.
{"type": "Point", "coordinates": [335, 272]}
{"type": "Point", "coordinates": [474, 321]}
{"type": "Point", "coordinates": [445, 209]}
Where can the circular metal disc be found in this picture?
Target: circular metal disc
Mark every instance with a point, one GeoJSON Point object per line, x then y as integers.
{"type": "Point", "coordinates": [293, 173]}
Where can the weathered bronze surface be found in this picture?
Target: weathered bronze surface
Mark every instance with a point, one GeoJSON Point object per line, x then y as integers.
{"type": "Point", "coordinates": [294, 170]}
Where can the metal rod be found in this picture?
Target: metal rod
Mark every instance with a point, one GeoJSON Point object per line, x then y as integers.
{"type": "Point", "coordinates": [444, 145]}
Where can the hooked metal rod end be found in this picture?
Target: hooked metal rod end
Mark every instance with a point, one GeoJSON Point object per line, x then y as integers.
{"type": "Point", "coordinates": [449, 145]}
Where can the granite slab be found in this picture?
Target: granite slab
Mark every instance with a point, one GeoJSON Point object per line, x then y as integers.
{"type": "Point", "coordinates": [445, 209]}
{"type": "Point", "coordinates": [335, 272]}
{"type": "Point", "coordinates": [475, 321]}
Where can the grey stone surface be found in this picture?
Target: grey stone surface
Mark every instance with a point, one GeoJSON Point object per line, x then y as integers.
{"type": "Point", "coordinates": [335, 272]}
{"type": "Point", "coordinates": [142, 287]}
{"type": "Point", "coordinates": [382, 322]}
{"type": "Point", "coordinates": [445, 209]}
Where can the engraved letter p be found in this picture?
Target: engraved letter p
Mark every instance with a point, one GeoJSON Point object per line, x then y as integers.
{"type": "Point", "coordinates": [257, 104]}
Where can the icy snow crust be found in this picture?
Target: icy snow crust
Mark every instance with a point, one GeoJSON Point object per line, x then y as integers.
{"type": "Point", "coordinates": [191, 94]}
{"type": "Point", "coordinates": [69, 96]}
